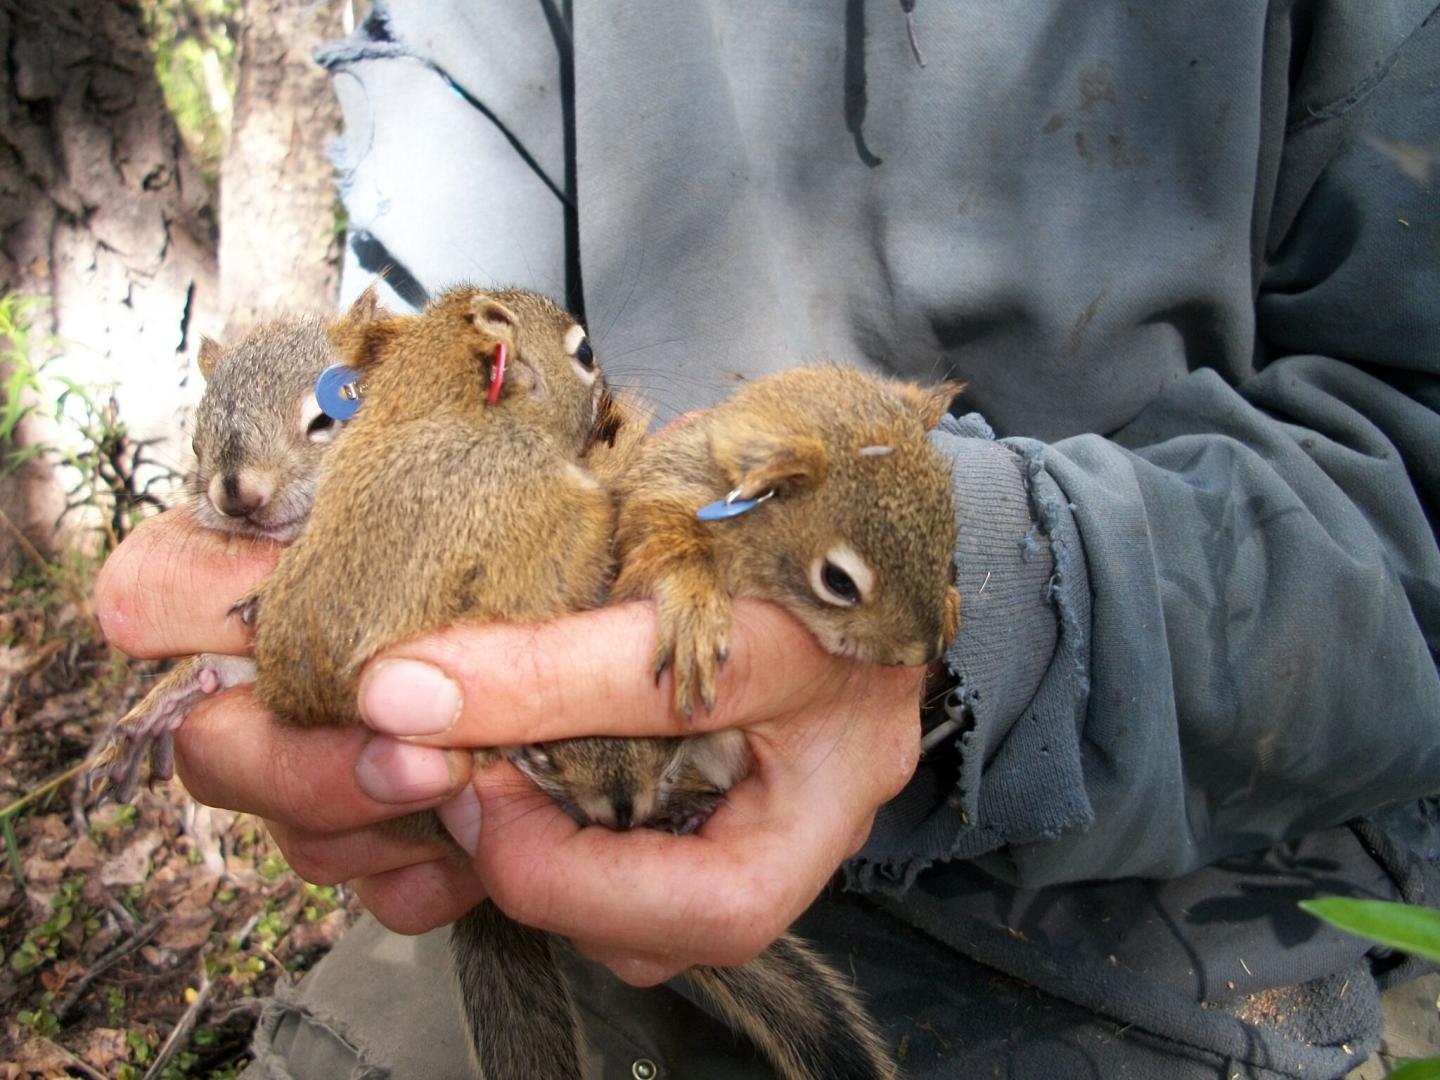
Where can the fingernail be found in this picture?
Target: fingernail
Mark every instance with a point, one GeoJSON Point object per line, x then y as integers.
{"type": "Point", "coordinates": [461, 818]}
{"type": "Point", "coordinates": [395, 772]}
{"type": "Point", "coordinates": [406, 697]}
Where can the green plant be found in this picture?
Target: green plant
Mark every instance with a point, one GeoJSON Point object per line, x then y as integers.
{"type": "Point", "coordinates": [106, 459]}
{"type": "Point", "coordinates": [1406, 927]}
{"type": "Point", "coordinates": [41, 1019]}
{"type": "Point", "coordinates": [22, 383]}
{"type": "Point", "coordinates": [70, 922]}
{"type": "Point", "coordinates": [193, 42]}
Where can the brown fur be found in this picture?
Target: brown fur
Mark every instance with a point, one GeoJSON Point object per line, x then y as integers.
{"type": "Point", "coordinates": [800, 434]}
{"type": "Point", "coordinates": [439, 507]}
{"type": "Point", "coordinates": [432, 509]}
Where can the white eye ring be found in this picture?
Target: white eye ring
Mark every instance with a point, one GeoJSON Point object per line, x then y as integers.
{"type": "Point", "coordinates": [584, 365]}
{"type": "Point", "coordinates": [573, 337]}
{"type": "Point", "coordinates": [840, 577]}
{"type": "Point", "coordinates": [310, 412]}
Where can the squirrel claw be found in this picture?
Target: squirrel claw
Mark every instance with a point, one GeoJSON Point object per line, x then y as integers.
{"type": "Point", "coordinates": [246, 609]}
{"type": "Point", "coordinates": [694, 644]}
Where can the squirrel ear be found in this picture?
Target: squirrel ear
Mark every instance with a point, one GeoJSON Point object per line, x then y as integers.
{"type": "Point", "coordinates": [492, 316]}
{"type": "Point", "coordinates": [365, 308]}
{"type": "Point", "coordinates": [757, 462]}
{"type": "Point", "coordinates": [933, 402]}
{"type": "Point", "coordinates": [210, 351]}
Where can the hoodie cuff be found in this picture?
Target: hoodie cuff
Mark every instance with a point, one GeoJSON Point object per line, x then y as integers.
{"type": "Point", "coordinates": [1002, 762]}
{"type": "Point", "coordinates": [1003, 568]}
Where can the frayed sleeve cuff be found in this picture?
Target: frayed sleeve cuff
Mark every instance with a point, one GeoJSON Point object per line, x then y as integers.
{"type": "Point", "coordinates": [1002, 762]}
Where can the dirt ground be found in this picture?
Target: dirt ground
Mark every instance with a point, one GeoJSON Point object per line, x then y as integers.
{"type": "Point", "coordinates": [122, 926]}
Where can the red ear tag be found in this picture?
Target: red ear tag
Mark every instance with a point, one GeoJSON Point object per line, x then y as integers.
{"type": "Point", "coordinates": [497, 375]}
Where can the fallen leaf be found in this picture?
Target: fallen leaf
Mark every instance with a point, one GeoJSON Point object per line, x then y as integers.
{"type": "Point", "coordinates": [132, 865]}
{"type": "Point", "coordinates": [104, 1047]}
{"type": "Point", "coordinates": [84, 855]}
{"type": "Point", "coordinates": [42, 1057]}
{"type": "Point", "coordinates": [182, 933]}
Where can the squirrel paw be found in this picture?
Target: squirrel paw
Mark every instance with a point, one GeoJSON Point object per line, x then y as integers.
{"type": "Point", "coordinates": [694, 642]}
{"type": "Point", "coordinates": [146, 734]}
{"type": "Point", "coordinates": [247, 608]}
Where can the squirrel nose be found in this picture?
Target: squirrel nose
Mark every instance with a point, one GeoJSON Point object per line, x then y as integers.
{"type": "Point", "coordinates": [240, 494]}
{"type": "Point", "coordinates": [624, 813]}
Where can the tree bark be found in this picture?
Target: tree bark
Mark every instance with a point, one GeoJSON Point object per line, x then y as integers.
{"type": "Point", "coordinates": [279, 244]}
{"type": "Point", "coordinates": [102, 214]}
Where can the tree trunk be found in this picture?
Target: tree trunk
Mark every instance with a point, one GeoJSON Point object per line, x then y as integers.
{"type": "Point", "coordinates": [101, 214]}
{"type": "Point", "coordinates": [280, 244]}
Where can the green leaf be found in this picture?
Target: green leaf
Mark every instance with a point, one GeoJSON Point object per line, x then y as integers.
{"type": "Point", "coordinates": [1406, 927]}
{"type": "Point", "coordinates": [1419, 1069]}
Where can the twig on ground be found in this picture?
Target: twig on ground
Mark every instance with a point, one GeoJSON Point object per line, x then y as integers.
{"type": "Point", "coordinates": [43, 789]}
{"type": "Point", "coordinates": [119, 952]}
{"type": "Point", "coordinates": [181, 1031]}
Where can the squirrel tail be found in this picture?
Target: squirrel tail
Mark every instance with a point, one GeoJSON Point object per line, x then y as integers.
{"type": "Point", "coordinates": [802, 1016]}
{"type": "Point", "coordinates": [517, 1004]}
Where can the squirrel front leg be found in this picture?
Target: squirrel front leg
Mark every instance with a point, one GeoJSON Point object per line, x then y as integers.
{"type": "Point", "coordinates": [665, 556]}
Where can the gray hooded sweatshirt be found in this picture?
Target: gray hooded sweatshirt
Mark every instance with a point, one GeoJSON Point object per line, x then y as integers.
{"type": "Point", "coordinates": [1187, 258]}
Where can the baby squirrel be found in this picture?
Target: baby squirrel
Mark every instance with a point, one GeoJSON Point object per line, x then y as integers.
{"type": "Point", "coordinates": [857, 543]}
{"type": "Point", "coordinates": [260, 437]}
{"type": "Point", "coordinates": [852, 532]}
{"type": "Point", "coordinates": [464, 489]}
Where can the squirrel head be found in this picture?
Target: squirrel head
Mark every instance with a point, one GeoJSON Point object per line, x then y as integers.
{"type": "Point", "coordinates": [445, 360]}
{"type": "Point", "coordinates": [858, 539]}
{"type": "Point", "coordinates": [671, 784]}
{"type": "Point", "coordinates": [259, 432]}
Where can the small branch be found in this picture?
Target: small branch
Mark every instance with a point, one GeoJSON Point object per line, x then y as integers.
{"type": "Point", "coordinates": [106, 962]}
{"type": "Point", "coordinates": [181, 1031]}
{"type": "Point", "coordinates": [44, 789]}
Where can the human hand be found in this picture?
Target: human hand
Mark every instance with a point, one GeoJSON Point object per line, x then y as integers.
{"type": "Point", "coordinates": [831, 740]}
{"type": "Point", "coordinates": [167, 591]}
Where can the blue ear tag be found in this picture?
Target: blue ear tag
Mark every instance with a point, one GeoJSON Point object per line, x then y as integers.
{"type": "Point", "coordinates": [729, 507]}
{"type": "Point", "coordinates": [337, 391]}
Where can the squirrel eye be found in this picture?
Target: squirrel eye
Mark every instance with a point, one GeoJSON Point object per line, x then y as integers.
{"type": "Point", "coordinates": [536, 758]}
{"type": "Point", "coordinates": [840, 584]}
{"type": "Point", "coordinates": [314, 424]}
{"type": "Point", "coordinates": [585, 356]}
{"type": "Point", "coordinates": [841, 577]}
{"type": "Point", "coordinates": [319, 426]}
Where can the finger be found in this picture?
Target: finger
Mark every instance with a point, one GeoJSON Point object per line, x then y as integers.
{"type": "Point", "coordinates": [583, 674]}
{"type": "Point", "coordinates": [327, 858]}
{"type": "Point", "coordinates": [230, 752]}
{"type": "Point", "coordinates": [717, 897]}
{"type": "Point", "coordinates": [167, 590]}
{"type": "Point", "coordinates": [416, 899]}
